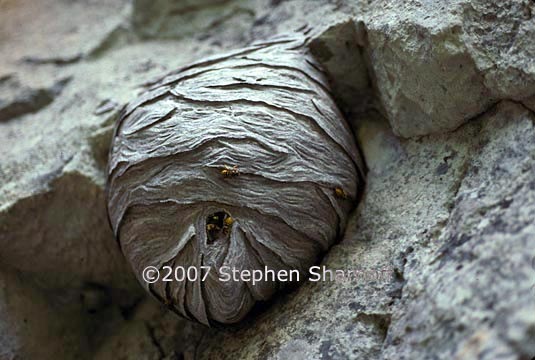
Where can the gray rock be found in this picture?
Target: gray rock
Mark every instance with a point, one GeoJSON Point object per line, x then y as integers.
{"type": "Point", "coordinates": [44, 323]}
{"type": "Point", "coordinates": [467, 294]}
{"type": "Point", "coordinates": [17, 99]}
{"type": "Point", "coordinates": [442, 237]}
{"type": "Point", "coordinates": [77, 29]}
{"type": "Point", "coordinates": [499, 38]}
{"type": "Point", "coordinates": [152, 332]}
{"type": "Point", "coordinates": [438, 64]}
{"type": "Point", "coordinates": [340, 50]}
{"type": "Point", "coordinates": [425, 76]}
{"type": "Point", "coordinates": [28, 328]}
{"type": "Point", "coordinates": [218, 20]}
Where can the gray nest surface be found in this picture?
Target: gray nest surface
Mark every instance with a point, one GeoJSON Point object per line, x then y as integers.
{"type": "Point", "coordinates": [240, 160]}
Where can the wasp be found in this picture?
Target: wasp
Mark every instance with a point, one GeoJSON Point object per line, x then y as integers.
{"type": "Point", "coordinates": [228, 171]}
{"type": "Point", "coordinates": [228, 221]}
{"type": "Point", "coordinates": [218, 223]}
{"type": "Point", "coordinates": [340, 193]}
{"type": "Point", "coordinates": [227, 224]}
{"type": "Point", "coordinates": [213, 223]}
{"type": "Point", "coordinates": [211, 227]}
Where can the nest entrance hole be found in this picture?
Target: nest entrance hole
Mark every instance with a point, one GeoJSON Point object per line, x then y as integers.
{"type": "Point", "coordinates": [218, 226]}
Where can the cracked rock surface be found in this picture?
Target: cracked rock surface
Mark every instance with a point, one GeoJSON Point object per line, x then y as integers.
{"type": "Point", "coordinates": [441, 98]}
{"type": "Point", "coordinates": [440, 63]}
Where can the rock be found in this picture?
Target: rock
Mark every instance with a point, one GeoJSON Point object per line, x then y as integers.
{"type": "Point", "coordinates": [519, 331]}
{"type": "Point", "coordinates": [340, 50]}
{"type": "Point", "coordinates": [41, 324]}
{"type": "Point", "coordinates": [443, 235]}
{"type": "Point", "coordinates": [29, 322]}
{"type": "Point", "coordinates": [438, 64]}
{"type": "Point", "coordinates": [106, 106]}
{"type": "Point", "coordinates": [499, 37]}
{"type": "Point", "coordinates": [464, 288]}
{"type": "Point", "coordinates": [530, 103]}
{"type": "Point", "coordinates": [425, 75]}
{"type": "Point", "coordinates": [152, 333]}
{"type": "Point", "coordinates": [99, 142]}
{"type": "Point", "coordinates": [131, 342]}
{"type": "Point", "coordinates": [33, 38]}
{"type": "Point", "coordinates": [85, 250]}
{"type": "Point", "coordinates": [215, 18]}
{"type": "Point", "coordinates": [17, 99]}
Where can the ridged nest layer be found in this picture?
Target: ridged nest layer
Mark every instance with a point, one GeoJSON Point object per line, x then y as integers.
{"type": "Point", "coordinates": [240, 160]}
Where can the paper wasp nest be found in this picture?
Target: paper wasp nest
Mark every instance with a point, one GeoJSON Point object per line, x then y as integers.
{"type": "Point", "coordinates": [241, 160]}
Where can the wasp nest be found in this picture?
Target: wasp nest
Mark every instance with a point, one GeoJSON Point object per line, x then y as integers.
{"type": "Point", "coordinates": [241, 160]}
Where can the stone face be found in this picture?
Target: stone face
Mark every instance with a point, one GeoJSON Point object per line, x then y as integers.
{"type": "Point", "coordinates": [28, 328]}
{"type": "Point", "coordinates": [86, 249]}
{"type": "Point", "coordinates": [426, 77]}
{"type": "Point", "coordinates": [177, 19]}
{"type": "Point", "coordinates": [150, 333]}
{"type": "Point", "coordinates": [17, 99]}
{"type": "Point", "coordinates": [45, 323]}
{"type": "Point", "coordinates": [466, 294]}
{"type": "Point", "coordinates": [340, 50]}
{"type": "Point", "coordinates": [441, 97]}
{"type": "Point", "coordinates": [498, 36]}
{"type": "Point", "coordinates": [438, 64]}
{"type": "Point", "coordinates": [33, 38]}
